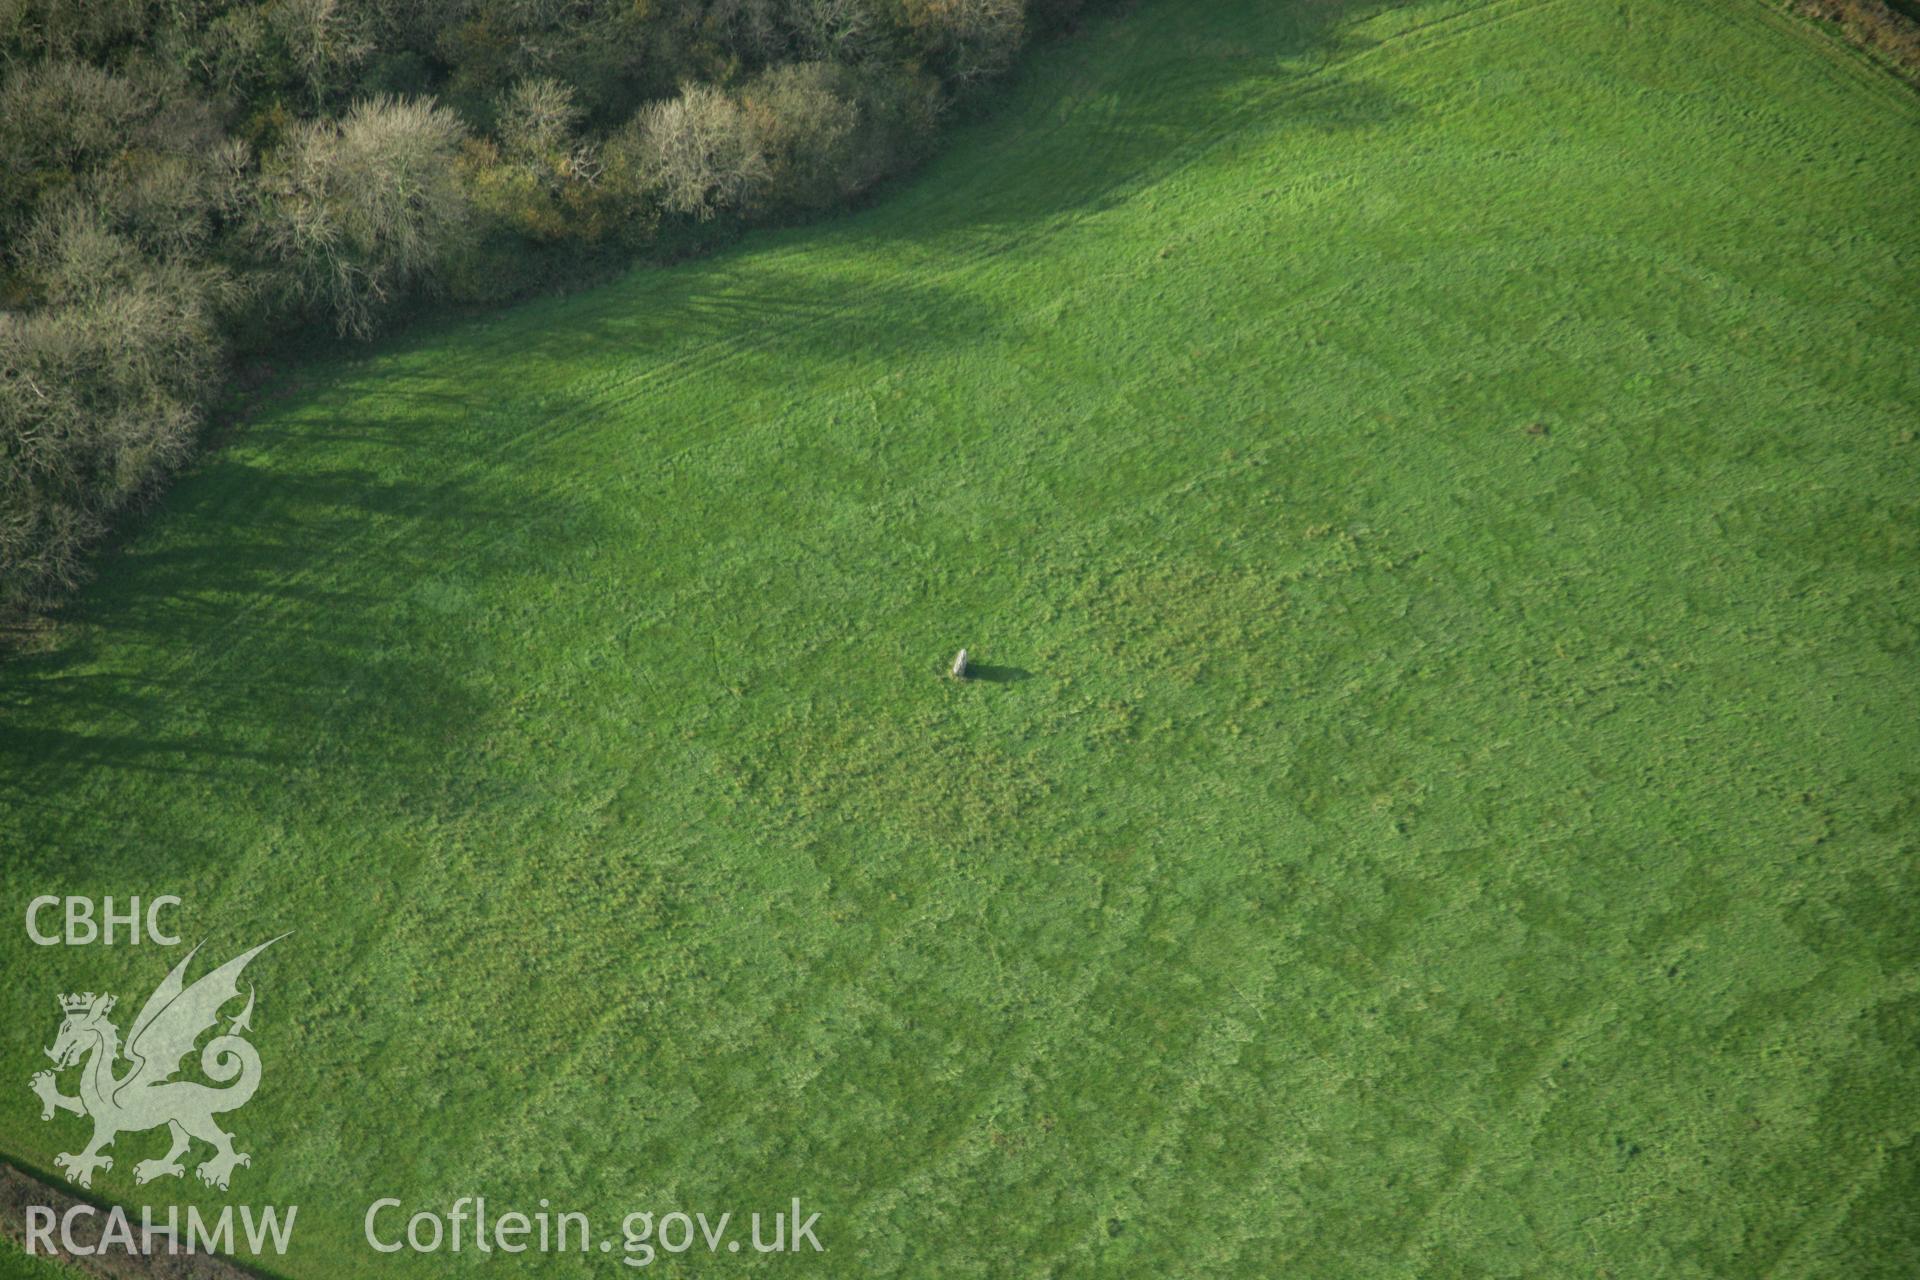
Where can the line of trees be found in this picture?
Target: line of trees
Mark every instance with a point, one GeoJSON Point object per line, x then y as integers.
{"type": "Point", "coordinates": [180, 176]}
{"type": "Point", "coordinates": [1888, 32]}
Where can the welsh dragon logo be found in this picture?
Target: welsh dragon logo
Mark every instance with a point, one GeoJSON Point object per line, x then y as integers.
{"type": "Point", "coordinates": [146, 1095]}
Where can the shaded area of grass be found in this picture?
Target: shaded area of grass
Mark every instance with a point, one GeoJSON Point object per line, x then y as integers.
{"type": "Point", "coordinates": [15, 1264]}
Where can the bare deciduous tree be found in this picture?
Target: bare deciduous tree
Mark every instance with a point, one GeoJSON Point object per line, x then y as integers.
{"type": "Point", "coordinates": [323, 39]}
{"type": "Point", "coordinates": [698, 152]}
{"type": "Point", "coordinates": [537, 119]}
{"type": "Point", "coordinates": [836, 30]}
{"type": "Point", "coordinates": [355, 213]}
{"type": "Point", "coordinates": [804, 124]}
{"type": "Point", "coordinates": [60, 121]}
{"type": "Point", "coordinates": [100, 391]}
{"type": "Point", "coordinates": [976, 38]}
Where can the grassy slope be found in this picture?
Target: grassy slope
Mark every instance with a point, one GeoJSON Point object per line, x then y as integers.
{"type": "Point", "coordinates": [17, 1264]}
{"type": "Point", "coordinates": [1389, 843]}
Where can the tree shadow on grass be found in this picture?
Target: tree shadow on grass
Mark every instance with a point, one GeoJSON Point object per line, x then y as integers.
{"type": "Point", "coordinates": [311, 599]}
{"type": "Point", "coordinates": [1077, 133]}
{"type": "Point", "coordinates": [277, 619]}
{"type": "Point", "coordinates": [1082, 126]}
{"type": "Point", "coordinates": [273, 619]}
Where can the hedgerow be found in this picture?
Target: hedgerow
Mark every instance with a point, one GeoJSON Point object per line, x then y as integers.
{"type": "Point", "coordinates": [177, 179]}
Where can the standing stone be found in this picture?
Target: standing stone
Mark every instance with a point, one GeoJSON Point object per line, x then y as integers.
{"type": "Point", "coordinates": [960, 665]}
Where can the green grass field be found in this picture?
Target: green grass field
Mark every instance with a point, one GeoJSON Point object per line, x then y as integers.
{"type": "Point", "coordinates": [17, 1264]}
{"type": "Point", "coordinates": [1436, 493]}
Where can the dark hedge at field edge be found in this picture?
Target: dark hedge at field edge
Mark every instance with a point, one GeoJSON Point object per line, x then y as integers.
{"type": "Point", "coordinates": [181, 180]}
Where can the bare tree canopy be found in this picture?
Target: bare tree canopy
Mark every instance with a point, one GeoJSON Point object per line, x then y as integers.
{"type": "Point", "coordinates": [227, 172]}
{"type": "Point", "coordinates": [359, 211]}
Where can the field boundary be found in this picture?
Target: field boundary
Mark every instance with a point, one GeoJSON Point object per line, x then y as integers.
{"type": "Point", "coordinates": [1870, 69]}
{"type": "Point", "coordinates": [20, 1189]}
